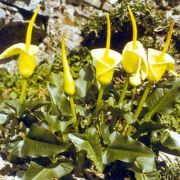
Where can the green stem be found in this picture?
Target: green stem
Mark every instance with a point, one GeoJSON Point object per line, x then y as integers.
{"type": "Point", "coordinates": [23, 91]}
{"type": "Point", "coordinates": [124, 90]}
{"type": "Point", "coordinates": [73, 111]}
{"type": "Point", "coordinates": [133, 96]}
{"type": "Point", "coordinates": [143, 99]}
{"type": "Point", "coordinates": [80, 163]}
{"type": "Point", "coordinates": [100, 95]}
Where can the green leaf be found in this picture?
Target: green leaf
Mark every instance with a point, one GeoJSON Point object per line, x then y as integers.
{"type": "Point", "coordinates": [59, 100]}
{"type": "Point", "coordinates": [55, 124]}
{"type": "Point", "coordinates": [146, 164]}
{"type": "Point", "coordinates": [91, 144]}
{"type": "Point", "coordinates": [125, 148]}
{"type": "Point", "coordinates": [171, 140]}
{"type": "Point", "coordinates": [15, 106]}
{"type": "Point", "coordinates": [149, 126]}
{"type": "Point", "coordinates": [36, 172]}
{"type": "Point", "coordinates": [163, 98]}
{"type": "Point", "coordinates": [57, 80]}
{"type": "Point", "coordinates": [84, 81]}
{"type": "Point", "coordinates": [105, 133]}
{"type": "Point", "coordinates": [33, 148]}
{"type": "Point", "coordinates": [147, 176]}
{"type": "Point", "coordinates": [41, 134]}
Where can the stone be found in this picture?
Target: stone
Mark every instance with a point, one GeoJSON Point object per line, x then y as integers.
{"type": "Point", "coordinates": [14, 22]}
{"type": "Point", "coordinates": [2, 17]}
{"type": "Point", "coordinates": [2, 13]}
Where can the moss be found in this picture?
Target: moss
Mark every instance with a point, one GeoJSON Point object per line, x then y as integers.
{"type": "Point", "coordinates": [10, 84]}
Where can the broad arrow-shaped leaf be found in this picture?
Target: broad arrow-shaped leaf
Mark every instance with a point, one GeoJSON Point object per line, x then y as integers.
{"type": "Point", "coordinates": [163, 98]}
{"type": "Point", "coordinates": [55, 124]}
{"type": "Point", "coordinates": [36, 172]}
{"type": "Point", "coordinates": [91, 144]}
{"type": "Point", "coordinates": [84, 81]}
{"type": "Point", "coordinates": [125, 148]}
{"type": "Point", "coordinates": [59, 100]}
{"type": "Point", "coordinates": [33, 148]}
{"type": "Point", "coordinates": [171, 140]}
{"type": "Point", "coordinates": [42, 134]}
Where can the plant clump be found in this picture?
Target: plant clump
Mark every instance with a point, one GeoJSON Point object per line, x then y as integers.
{"type": "Point", "coordinates": [70, 120]}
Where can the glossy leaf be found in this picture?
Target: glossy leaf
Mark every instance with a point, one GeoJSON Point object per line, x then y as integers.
{"type": "Point", "coordinates": [59, 100]}
{"type": "Point", "coordinates": [34, 148]}
{"type": "Point", "coordinates": [163, 98]}
{"type": "Point", "coordinates": [105, 133]}
{"type": "Point", "coordinates": [84, 81]}
{"type": "Point", "coordinates": [149, 126]}
{"type": "Point", "coordinates": [171, 140]}
{"type": "Point", "coordinates": [41, 134]}
{"type": "Point", "coordinates": [147, 176]}
{"type": "Point", "coordinates": [55, 124]}
{"type": "Point", "coordinates": [91, 144]}
{"type": "Point", "coordinates": [36, 172]}
{"type": "Point", "coordinates": [57, 80]}
{"type": "Point", "coordinates": [125, 148]}
{"type": "Point", "coordinates": [146, 164]}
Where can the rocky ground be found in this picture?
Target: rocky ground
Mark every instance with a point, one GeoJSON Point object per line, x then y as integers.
{"type": "Point", "coordinates": [55, 17]}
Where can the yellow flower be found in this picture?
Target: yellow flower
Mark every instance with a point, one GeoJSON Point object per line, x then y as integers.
{"type": "Point", "coordinates": [159, 61]}
{"type": "Point", "coordinates": [106, 59]}
{"type": "Point", "coordinates": [26, 52]}
{"type": "Point", "coordinates": [69, 84]}
{"type": "Point", "coordinates": [134, 57]}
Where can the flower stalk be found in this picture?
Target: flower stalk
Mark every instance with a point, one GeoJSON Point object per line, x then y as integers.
{"type": "Point", "coordinates": [143, 99]}
{"type": "Point", "coordinates": [99, 99]}
{"type": "Point", "coordinates": [124, 90]}
{"type": "Point", "coordinates": [23, 91]}
{"type": "Point", "coordinates": [134, 91]}
{"type": "Point", "coordinates": [73, 111]}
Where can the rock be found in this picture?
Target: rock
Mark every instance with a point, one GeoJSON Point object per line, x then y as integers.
{"type": "Point", "coordinates": [169, 159]}
{"type": "Point", "coordinates": [2, 17]}
{"type": "Point", "coordinates": [15, 25]}
{"type": "Point", "coordinates": [2, 14]}
{"type": "Point", "coordinates": [19, 174]}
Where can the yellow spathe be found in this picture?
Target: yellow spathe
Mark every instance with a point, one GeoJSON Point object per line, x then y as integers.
{"type": "Point", "coordinates": [69, 84]}
{"type": "Point", "coordinates": [158, 65]}
{"type": "Point", "coordinates": [159, 61]}
{"type": "Point", "coordinates": [26, 52]}
{"type": "Point", "coordinates": [131, 58]}
{"type": "Point", "coordinates": [106, 59]}
{"type": "Point", "coordinates": [134, 56]}
{"type": "Point", "coordinates": [135, 62]}
{"type": "Point", "coordinates": [105, 69]}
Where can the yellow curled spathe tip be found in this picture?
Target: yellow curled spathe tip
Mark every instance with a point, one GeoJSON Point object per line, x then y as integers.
{"type": "Point", "coordinates": [134, 27]}
{"type": "Point", "coordinates": [108, 38]}
{"type": "Point", "coordinates": [168, 40]}
{"type": "Point", "coordinates": [30, 27]}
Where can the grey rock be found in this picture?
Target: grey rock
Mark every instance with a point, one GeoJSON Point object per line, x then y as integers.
{"type": "Point", "coordinates": [25, 4]}
{"type": "Point", "coordinates": [19, 174]}
{"type": "Point", "coordinates": [14, 26]}
{"type": "Point", "coordinates": [2, 17]}
{"type": "Point", "coordinates": [2, 13]}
